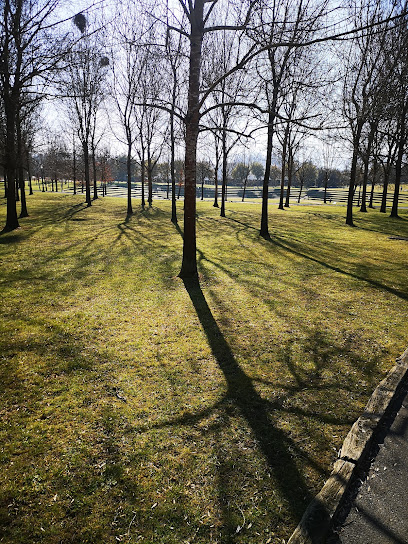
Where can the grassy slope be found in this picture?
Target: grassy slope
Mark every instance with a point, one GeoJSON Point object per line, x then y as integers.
{"type": "Point", "coordinates": [138, 409]}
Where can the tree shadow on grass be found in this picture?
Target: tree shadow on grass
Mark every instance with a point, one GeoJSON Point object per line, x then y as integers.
{"type": "Point", "coordinates": [72, 211]}
{"type": "Point", "coordinates": [11, 239]}
{"type": "Point", "coordinates": [273, 443]}
{"type": "Point", "coordinates": [285, 244]}
{"type": "Point", "coordinates": [361, 275]}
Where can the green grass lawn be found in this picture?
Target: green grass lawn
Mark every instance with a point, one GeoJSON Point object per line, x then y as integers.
{"type": "Point", "coordinates": [137, 408]}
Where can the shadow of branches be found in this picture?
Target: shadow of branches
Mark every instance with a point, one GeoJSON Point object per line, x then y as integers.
{"type": "Point", "coordinates": [274, 443]}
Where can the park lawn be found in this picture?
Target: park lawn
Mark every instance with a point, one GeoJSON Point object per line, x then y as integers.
{"type": "Point", "coordinates": [137, 408]}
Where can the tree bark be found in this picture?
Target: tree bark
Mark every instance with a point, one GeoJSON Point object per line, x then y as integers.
{"type": "Point", "coordinates": [173, 171]}
{"type": "Point", "coordinates": [383, 207]}
{"type": "Point", "coordinates": [264, 232]}
{"type": "Point", "coordinates": [74, 169]}
{"type": "Point", "coordinates": [143, 176]}
{"type": "Point", "coordinates": [367, 155]}
{"type": "Point", "coordinates": [94, 173]}
{"type": "Point", "coordinates": [217, 165]}
{"type": "Point", "coordinates": [397, 184]}
{"type": "Point", "coordinates": [363, 207]}
{"type": "Point", "coordinates": [10, 163]}
{"type": "Point", "coordinates": [398, 165]}
{"type": "Point", "coordinates": [326, 180]}
{"type": "Point", "coordinates": [371, 203]}
{"type": "Point", "coordinates": [353, 175]}
{"type": "Point", "coordinates": [189, 262]}
{"type": "Point", "coordinates": [20, 169]}
{"type": "Point", "coordinates": [87, 177]}
{"type": "Point", "coordinates": [129, 178]}
{"type": "Point", "coordinates": [149, 177]}
{"type": "Point", "coordinates": [283, 169]}
{"type": "Point", "coordinates": [290, 171]}
{"type": "Point", "coordinates": [30, 181]}
{"type": "Point", "coordinates": [224, 172]}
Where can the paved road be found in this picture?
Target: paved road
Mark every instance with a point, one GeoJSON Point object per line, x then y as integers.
{"type": "Point", "coordinates": [379, 514]}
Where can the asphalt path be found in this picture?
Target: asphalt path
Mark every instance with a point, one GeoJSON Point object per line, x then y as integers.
{"type": "Point", "coordinates": [379, 513]}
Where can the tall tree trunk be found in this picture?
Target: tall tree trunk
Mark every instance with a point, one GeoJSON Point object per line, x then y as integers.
{"type": "Point", "coordinates": [264, 232]}
{"type": "Point", "coordinates": [30, 182]}
{"type": "Point", "coordinates": [87, 176]}
{"type": "Point", "coordinates": [10, 104]}
{"type": "Point", "coordinates": [143, 177]}
{"type": "Point", "coordinates": [290, 171]}
{"type": "Point", "coordinates": [10, 162]}
{"type": "Point", "coordinates": [398, 165]}
{"type": "Point", "coordinates": [397, 184]}
{"type": "Point", "coordinates": [189, 262]}
{"type": "Point", "coordinates": [363, 207]}
{"type": "Point", "coordinates": [326, 180]}
{"type": "Point", "coordinates": [383, 207]}
{"type": "Point", "coordinates": [149, 177]}
{"type": "Point", "coordinates": [23, 212]}
{"type": "Point", "coordinates": [283, 170]}
{"type": "Point", "coordinates": [224, 172]}
{"type": "Point", "coordinates": [367, 155]}
{"type": "Point", "coordinates": [173, 148]}
{"type": "Point", "coordinates": [173, 171]}
{"type": "Point", "coordinates": [353, 175]}
{"type": "Point", "coordinates": [217, 165]}
{"type": "Point", "coordinates": [74, 163]}
{"type": "Point", "coordinates": [20, 169]}
{"type": "Point", "coordinates": [129, 178]}
{"type": "Point", "coordinates": [94, 172]}
{"type": "Point", "coordinates": [375, 169]}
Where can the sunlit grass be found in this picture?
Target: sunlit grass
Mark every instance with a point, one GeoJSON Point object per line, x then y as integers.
{"type": "Point", "coordinates": [139, 409]}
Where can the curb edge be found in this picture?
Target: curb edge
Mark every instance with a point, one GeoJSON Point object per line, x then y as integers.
{"type": "Point", "coordinates": [315, 523]}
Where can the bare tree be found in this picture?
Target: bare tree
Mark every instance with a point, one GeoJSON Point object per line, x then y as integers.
{"type": "Point", "coordinates": [400, 88]}
{"type": "Point", "coordinates": [82, 87]}
{"type": "Point", "coordinates": [128, 67]}
{"type": "Point", "coordinates": [386, 156]}
{"type": "Point", "coordinates": [240, 174]}
{"type": "Point", "coordinates": [200, 14]}
{"type": "Point", "coordinates": [364, 82]}
{"type": "Point", "coordinates": [56, 160]}
{"type": "Point", "coordinates": [28, 53]}
{"type": "Point", "coordinates": [229, 99]}
{"type": "Point", "coordinates": [283, 28]}
{"type": "Point", "coordinates": [26, 118]}
{"type": "Point", "coordinates": [174, 57]}
{"type": "Point", "coordinates": [328, 151]}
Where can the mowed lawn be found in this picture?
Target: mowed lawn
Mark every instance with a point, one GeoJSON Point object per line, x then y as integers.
{"type": "Point", "coordinates": [136, 408]}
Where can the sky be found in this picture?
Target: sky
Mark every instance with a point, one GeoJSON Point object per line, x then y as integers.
{"type": "Point", "coordinates": [54, 115]}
